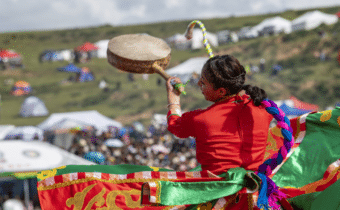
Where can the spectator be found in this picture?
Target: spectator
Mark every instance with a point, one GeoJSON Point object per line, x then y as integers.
{"type": "Point", "coordinates": [323, 55]}
{"type": "Point", "coordinates": [276, 69]}
{"type": "Point", "coordinates": [262, 64]}
{"type": "Point", "coordinates": [131, 77]}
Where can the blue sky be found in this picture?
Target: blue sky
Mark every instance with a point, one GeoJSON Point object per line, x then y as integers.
{"type": "Point", "coordinates": [23, 15]}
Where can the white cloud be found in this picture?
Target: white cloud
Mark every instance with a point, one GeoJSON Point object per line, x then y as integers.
{"type": "Point", "coordinates": [172, 3]}
{"type": "Point", "coordinates": [56, 14]}
{"type": "Point", "coordinates": [139, 11]}
{"type": "Point", "coordinates": [206, 2]}
{"type": "Point", "coordinates": [302, 4]}
{"type": "Point", "coordinates": [257, 5]}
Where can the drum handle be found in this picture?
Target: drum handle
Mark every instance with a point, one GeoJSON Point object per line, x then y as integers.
{"type": "Point", "coordinates": [158, 69]}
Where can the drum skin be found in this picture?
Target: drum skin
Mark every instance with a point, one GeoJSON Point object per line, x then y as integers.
{"type": "Point", "coordinates": [138, 53]}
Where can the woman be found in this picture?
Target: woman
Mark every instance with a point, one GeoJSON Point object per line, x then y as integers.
{"type": "Point", "coordinates": [230, 133]}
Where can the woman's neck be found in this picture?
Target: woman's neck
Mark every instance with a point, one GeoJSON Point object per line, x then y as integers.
{"type": "Point", "coordinates": [225, 98]}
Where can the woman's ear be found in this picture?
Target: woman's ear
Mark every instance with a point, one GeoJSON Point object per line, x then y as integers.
{"type": "Point", "coordinates": [222, 91]}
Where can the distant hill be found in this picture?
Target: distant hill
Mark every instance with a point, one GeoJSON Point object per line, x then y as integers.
{"type": "Point", "coordinates": [303, 75]}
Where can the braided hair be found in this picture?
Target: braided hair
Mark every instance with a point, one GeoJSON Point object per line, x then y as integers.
{"type": "Point", "coordinates": [226, 71]}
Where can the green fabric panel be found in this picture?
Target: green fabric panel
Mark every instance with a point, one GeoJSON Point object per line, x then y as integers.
{"type": "Point", "coordinates": [329, 198]}
{"type": "Point", "coordinates": [179, 193]}
{"type": "Point", "coordinates": [303, 201]}
{"type": "Point", "coordinates": [319, 148]}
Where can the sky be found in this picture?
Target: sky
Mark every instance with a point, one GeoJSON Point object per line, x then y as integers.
{"type": "Point", "coordinates": [33, 15]}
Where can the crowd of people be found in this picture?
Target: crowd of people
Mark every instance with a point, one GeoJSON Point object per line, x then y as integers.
{"type": "Point", "coordinates": [155, 147]}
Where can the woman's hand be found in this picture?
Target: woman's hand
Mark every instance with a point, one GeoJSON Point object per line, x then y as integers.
{"type": "Point", "coordinates": [173, 94]}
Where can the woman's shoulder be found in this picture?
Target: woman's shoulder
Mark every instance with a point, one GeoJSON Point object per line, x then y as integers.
{"type": "Point", "coordinates": [193, 112]}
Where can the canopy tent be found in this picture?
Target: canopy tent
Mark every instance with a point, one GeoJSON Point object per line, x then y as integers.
{"type": "Point", "coordinates": [66, 124]}
{"type": "Point", "coordinates": [296, 103]}
{"type": "Point", "coordinates": [86, 47]}
{"type": "Point", "coordinates": [10, 59]}
{"type": "Point", "coordinates": [27, 133]}
{"type": "Point", "coordinates": [313, 19]}
{"type": "Point", "coordinates": [293, 111]}
{"type": "Point", "coordinates": [23, 160]}
{"type": "Point", "coordinates": [69, 68]}
{"type": "Point", "coordinates": [278, 24]}
{"type": "Point", "coordinates": [64, 131]}
{"type": "Point", "coordinates": [102, 48]}
{"type": "Point", "coordinates": [21, 88]}
{"type": "Point", "coordinates": [303, 105]}
{"type": "Point", "coordinates": [93, 118]}
{"type": "Point", "coordinates": [197, 39]}
{"type": "Point", "coordinates": [34, 156]}
{"type": "Point", "coordinates": [33, 107]}
{"type": "Point", "coordinates": [338, 14]}
{"type": "Point", "coordinates": [6, 54]}
{"type": "Point", "coordinates": [185, 70]}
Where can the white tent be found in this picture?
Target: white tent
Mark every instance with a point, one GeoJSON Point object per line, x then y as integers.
{"type": "Point", "coordinates": [158, 120]}
{"type": "Point", "coordinates": [93, 118]}
{"type": "Point", "coordinates": [176, 38]}
{"type": "Point", "coordinates": [67, 55]}
{"type": "Point", "coordinates": [313, 19]}
{"type": "Point", "coordinates": [4, 129]}
{"type": "Point", "coordinates": [247, 33]}
{"type": "Point", "coordinates": [179, 41]}
{"type": "Point", "coordinates": [66, 124]}
{"type": "Point", "coordinates": [26, 133]}
{"type": "Point", "coordinates": [185, 70]}
{"type": "Point", "coordinates": [277, 24]}
{"type": "Point", "coordinates": [197, 39]}
{"type": "Point", "coordinates": [33, 107]}
{"type": "Point", "coordinates": [22, 156]}
{"type": "Point", "coordinates": [102, 44]}
{"type": "Point", "coordinates": [63, 137]}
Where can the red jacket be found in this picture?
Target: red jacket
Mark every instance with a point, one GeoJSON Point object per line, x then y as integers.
{"type": "Point", "coordinates": [228, 134]}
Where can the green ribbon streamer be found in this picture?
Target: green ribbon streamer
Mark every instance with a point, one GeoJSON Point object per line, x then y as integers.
{"type": "Point", "coordinates": [179, 85]}
{"type": "Point", "coordinates": [180, 193]}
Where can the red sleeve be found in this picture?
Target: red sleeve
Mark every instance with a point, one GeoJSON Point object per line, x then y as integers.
{"type": "Point", "coordinates": [182, 127]}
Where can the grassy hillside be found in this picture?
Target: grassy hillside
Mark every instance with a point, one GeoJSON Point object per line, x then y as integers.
{"type": "Point", "coordinates": [304, 76]}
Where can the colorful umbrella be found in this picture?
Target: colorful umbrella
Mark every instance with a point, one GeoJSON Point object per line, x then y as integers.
{"type": "Point", "coordinates": [95, 157]}
{"type": "Point", "coordinates": [114, 143]}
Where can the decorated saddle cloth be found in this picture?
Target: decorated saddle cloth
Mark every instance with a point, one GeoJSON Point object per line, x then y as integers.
{"type": "Point", "coordinates": [309, 178]}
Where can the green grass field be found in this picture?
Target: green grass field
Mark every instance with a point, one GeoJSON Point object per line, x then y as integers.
{"type": "Point", "coordinates": [303, 76]}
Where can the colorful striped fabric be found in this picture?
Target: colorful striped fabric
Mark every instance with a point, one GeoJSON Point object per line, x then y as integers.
{"type": "Point", "coordinates": [310, 173]}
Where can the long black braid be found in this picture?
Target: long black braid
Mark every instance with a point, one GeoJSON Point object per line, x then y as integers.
{"type": "Point", "coordinates": [226, 71]}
